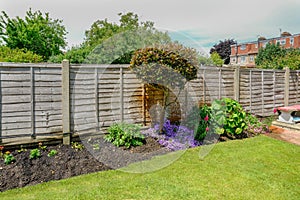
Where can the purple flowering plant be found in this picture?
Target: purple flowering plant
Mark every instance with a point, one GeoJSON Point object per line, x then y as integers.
{"type": "Point", "coordinates": [174, 137]}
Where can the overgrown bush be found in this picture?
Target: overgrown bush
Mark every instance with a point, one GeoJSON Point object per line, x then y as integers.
{"type": "Point", "coordinates": [18, 55]}
{"type": "Point", "coordinates": [124, 134]}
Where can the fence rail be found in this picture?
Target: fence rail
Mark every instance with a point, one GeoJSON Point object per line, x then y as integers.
{"type": "Point", "coordinates": [41, 102]}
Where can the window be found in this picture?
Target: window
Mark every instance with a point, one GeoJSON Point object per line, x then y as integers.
{"type": "Point", "coordinates": [243, 47]}
{"type": "Point", "coordinates": [256, 45]}
{"type": "Point", "coordinates": [243, 59]}
{"type": "Point", "coordinates": [292, 41]}
{"type": "Point", "coordinates": [277, 41]}
{"type": "Point", "coordinates": [251, 58]}
{"type": "Point", "coordinates": [282, 42]}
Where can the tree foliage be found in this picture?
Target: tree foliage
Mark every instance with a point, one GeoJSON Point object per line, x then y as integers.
{"type": "Point", "coordinates": [206, 61]}
{"type": "Point", "coordinates": [18, 55]}
{"type": "Point", "coordinates": [216, 59]}
{"type": "Point", "coordinates": [108, 42]}
{"type": "Point", "coordinates": [36, 32]}
{"type": "Point", "coordinates": [170, 65]}
{"type": "Point", "coordinates": [273, 56]}
{"type": "Point", "coordinates": [223, 49]}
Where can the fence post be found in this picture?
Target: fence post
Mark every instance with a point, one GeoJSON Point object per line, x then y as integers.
{"type": "Point", "coordinates": [121, 95]}
{"type": "Point", "coordinates": [286, 86]}
{"type": "Point", "coordinates": [237, 83]}
{"type": "Point", "coordinates": [66, 102]}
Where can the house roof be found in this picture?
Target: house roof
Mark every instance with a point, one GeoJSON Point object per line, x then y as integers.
{"type": "Point", "coordinates": [262, 41]}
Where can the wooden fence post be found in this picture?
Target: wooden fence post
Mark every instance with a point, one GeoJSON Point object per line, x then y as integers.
{"type": "Point", "coordinates": [66, 102]}
{"type": "Point", "coordinates": [237, 83]}
{"type": "Point", "coordinates": [286, 86]}
{"type": "Point", "coordinates": [121, 95]}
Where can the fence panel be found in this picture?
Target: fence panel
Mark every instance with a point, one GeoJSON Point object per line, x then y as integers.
{"type": "Point", "coordinates": [32, 102]}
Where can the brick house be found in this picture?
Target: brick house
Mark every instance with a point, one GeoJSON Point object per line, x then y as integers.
{"type": "Point", "coordinates": [244, 54]}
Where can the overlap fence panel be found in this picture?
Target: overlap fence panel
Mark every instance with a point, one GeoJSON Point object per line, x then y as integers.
{"type": "Point", "coordinates": [43, 102]}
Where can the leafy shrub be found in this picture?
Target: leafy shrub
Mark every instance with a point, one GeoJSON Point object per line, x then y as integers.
{"type": "Point", "coordinates": [151, 64]}
{"type": "Point", "coordinates": [123, 134]}
{"type": "Point", "coordinates": [228, 117]}
{"type": "Point", "coordinates": [18, 55]}
{"type": "Point", "coordinates": [35, 153]}
{"type": "Point", "coordinates": [53, 152]}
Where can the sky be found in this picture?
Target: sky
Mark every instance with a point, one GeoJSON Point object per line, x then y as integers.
{"type": "Point", "coordinates": [196, 23]}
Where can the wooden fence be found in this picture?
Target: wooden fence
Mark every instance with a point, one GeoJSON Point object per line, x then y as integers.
{"type": "Point", "coordinates": [40, 102]}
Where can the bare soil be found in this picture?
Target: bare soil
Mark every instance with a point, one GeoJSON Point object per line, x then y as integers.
{"type": "Point", "coordinates": [70, 162]}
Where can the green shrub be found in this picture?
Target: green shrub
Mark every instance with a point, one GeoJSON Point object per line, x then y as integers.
{"type": "Point", "coordinates": [228, 117]}
{"type": "Point", "coordinates": [123, 134]}
{"type": "Point", "coordinates": [18, 55]}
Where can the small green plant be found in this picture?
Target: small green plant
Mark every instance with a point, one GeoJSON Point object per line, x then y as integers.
{"type": "Point", "coordinates": [9, 158]}
{"type": "Point", "coordinates": [53, 152]}
{"type": "Point", "coordinates": [123, 134]}
{"type": "Point", "coordinates": [96, 146]}
{"type": "Point", "coordinates": [42, 147]}
{"type": "Point", "coordinates": [35, 153]}
{"type": "Point", "coordinates": [22, 149]}
{"type": "Point", "coordinates": [77, 146]}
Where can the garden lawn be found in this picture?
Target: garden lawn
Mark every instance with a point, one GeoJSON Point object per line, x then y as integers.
{"type": "Point", "coordinates": [255, 168]}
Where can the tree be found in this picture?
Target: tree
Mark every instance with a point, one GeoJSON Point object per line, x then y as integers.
{"type": "Point", "coordinates": [108, 42]}
{"type": "Point", "coordinates": [203, 60]}
{"type": "Point", "coordinates": [216, 59]}
{"type": "Point", "coordinates": [273, 56]}
{"type": "Point", "coordinates": [165, 67]}
{"type": "Point", "coordinates": [37, 32]}
{"type": "Point", "coordinates": [267, 57]}
{"type": "Point", "coordinates": [223, 49]}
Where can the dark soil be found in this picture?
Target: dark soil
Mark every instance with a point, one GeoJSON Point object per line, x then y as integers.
{"type": "Point", "coordinates": [97, 155]}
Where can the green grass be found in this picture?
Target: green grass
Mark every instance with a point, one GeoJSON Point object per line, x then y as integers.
{"type": "Point", "coordinates": [256, 168]}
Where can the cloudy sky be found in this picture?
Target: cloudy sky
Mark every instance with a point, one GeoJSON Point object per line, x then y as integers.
{"type": "Point", "coordinates": [198, 23]}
